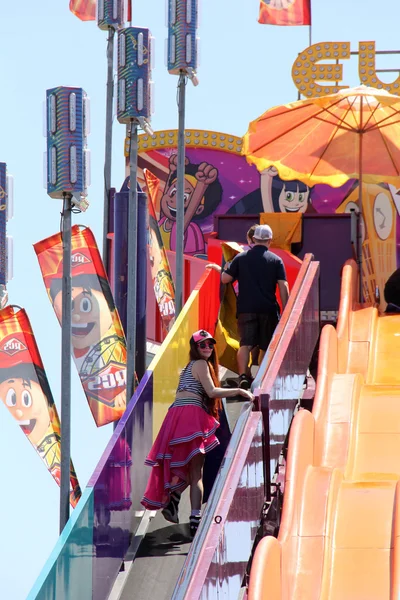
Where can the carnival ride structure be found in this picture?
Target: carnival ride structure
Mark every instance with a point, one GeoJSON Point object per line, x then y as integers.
{"type": "Point", "coordinates": [109, 523]}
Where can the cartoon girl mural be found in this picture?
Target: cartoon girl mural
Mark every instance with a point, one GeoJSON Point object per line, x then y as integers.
{"type": "Point", "coordinates": [202, 195]}
{"type": "Point", "coordinates": [275, 195]}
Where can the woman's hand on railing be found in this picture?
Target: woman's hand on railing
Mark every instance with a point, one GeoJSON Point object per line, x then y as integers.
{"type": "Point", "coordinates": [214, 266]}
{"type": "Point", "coordinates": [246, 394]}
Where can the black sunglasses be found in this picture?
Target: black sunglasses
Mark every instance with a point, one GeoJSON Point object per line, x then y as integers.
{"type": "Point", "coordinates": [209, 344]}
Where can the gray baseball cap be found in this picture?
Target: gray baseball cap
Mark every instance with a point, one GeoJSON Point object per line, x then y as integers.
{"type": "Point", "coordinates": [263, 233]}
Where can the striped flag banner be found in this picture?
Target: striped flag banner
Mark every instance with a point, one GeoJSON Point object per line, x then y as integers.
{"type": "Point", "coordinates": [285, 12]}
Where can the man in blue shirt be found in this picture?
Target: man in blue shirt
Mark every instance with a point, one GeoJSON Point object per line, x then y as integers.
{"type": "Point", "coordinates": [258, 272]}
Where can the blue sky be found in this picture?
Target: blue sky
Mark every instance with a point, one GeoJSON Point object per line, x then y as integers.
{"type": "Point", "coordinates": [245, 68]}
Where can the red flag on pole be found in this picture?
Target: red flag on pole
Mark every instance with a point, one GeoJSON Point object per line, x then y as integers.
{"type": "Point", "coordinates": [285, 12]}
{"type": "Point", "coordinates": [85, 10]}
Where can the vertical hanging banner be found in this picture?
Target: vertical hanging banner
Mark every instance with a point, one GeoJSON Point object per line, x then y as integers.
{"type": "Point", "coordinates": [25, 392]}
{"type": "Point", "coordinates": [160, 271]}
{"type": "Point", "coordinates": [98, 342]}
{"type": "Point", "coordinates": [85, 10]}
{"type": "Point", "coordinates": [285, 12]}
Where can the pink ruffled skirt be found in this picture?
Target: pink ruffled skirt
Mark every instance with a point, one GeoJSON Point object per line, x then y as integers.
{"type": "Point", "coordinates": [187, 430]}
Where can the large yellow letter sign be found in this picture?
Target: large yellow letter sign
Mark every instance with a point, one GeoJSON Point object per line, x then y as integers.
{"type": "Point", "coordinates": [367, 69]}
{"type": "Point", "coordinates": [313, 79]}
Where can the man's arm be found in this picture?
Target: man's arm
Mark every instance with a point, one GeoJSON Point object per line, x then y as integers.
{"type": "Point", "coordinates": [283, 291]}
{"type": "Point", "coordinates": [225, 278]}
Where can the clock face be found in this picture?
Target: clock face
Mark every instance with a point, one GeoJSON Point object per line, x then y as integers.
{"type": "Point", "coordinates": [383, 216]}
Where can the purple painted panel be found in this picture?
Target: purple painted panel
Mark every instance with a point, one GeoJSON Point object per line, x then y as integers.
{"type": "Point", "coordinates": [118, 488]}
{"type": "Point", "coordinates": [328, 238]}
{"type": "Point", "coordinates": [233, 228]}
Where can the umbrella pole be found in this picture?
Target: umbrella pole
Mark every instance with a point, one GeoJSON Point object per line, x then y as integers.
{"type": "Point", "coordinates": [360, 213]}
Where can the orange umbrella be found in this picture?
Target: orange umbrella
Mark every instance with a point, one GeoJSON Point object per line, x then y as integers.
{"type": "Point", "coordinates": [354, 133]}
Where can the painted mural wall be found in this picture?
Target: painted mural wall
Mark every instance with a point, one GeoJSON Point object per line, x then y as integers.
{"type": "Point", "coordinates": [219, 181]}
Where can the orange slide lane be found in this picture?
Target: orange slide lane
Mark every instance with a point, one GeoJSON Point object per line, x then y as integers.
{"type": "Point", "coordinates": [339, 535]}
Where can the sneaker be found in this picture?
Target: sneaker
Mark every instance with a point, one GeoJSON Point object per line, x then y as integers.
{"type": "Point", "coordinates": [244, 382]}
{"type": "Point", "coordinates": [170, 512]}
{"type": "Point", "coordinates": [194, 523]}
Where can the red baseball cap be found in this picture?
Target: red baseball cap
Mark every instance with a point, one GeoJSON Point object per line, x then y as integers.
{"type": "Point", "coordinates": [201, 335]}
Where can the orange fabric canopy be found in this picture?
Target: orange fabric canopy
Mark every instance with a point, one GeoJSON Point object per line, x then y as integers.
{"type": "Point", "coordinates": [354, 133]}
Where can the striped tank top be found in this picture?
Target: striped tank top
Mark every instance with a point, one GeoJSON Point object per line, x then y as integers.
{"type": "Point", "coordinates": [187, 383]}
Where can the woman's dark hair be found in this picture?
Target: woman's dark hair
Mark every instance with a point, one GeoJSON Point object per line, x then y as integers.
{"type": "Point", "coordinates": [212, 195]}
{"type": "Point", "coordinates": [290, 186]}
{"type": "Point", "coordinates": [87, 282]}
{"type": "Point", "coordinates": [392, 289]}
{"type": "Point", "coordinates": [251, 231]}
{"type": "Point", "coordinates": [28, 372]}
{"type": "Point", "coordinates": [214, 405]}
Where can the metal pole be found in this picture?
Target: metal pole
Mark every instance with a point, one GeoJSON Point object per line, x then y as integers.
{"type": "Point", "coordinates": [132, 265]}
{"type": "Point", "coordinates": [108, 149]}
{"type": "Point", "coordinates": [66, 363]}
{"type": "Point", "coordinates": [141, 283]}
{"type": "Point", "coordinates": [360, 176]}
{"type": "Point", "coordinates": [180, 204]}
{"type": "Point", "coordinates": [121, 202]}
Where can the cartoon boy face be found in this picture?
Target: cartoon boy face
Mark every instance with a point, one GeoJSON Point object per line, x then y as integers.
{"type": "Point", "coordinates": [91, 317]}
{"type": "Point", "coordinates": [27, 403]}
{"type": "Point", "coordinates": [293, 201]}
{"type": "Point", "coordinates": [168, 200]}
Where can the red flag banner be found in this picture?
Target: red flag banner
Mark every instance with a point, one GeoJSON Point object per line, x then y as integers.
{"type": "Point", "coordinates": [98, 341]}
{"type": "Point", "coordinates": [25, 392]}
{"type": "Point", "coordinates": [85, 10]}
{"type": "Point", "coordinates": [285, 12]}
{"type": "Point", "coordinates": [160, 271]}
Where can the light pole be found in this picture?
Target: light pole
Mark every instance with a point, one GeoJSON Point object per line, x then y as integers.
{"type": "Point", "coordinates": [67, 125]}
{"type": "Point", "coordinates": [110, 16]}
{"type": "Point", "coordinates": [133, 109]}
{"type": "Point", "coordinates": [182, 61]}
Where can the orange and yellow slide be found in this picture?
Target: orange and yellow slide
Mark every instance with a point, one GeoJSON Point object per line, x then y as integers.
{"type": "Point", "coordinates": [340, 528]}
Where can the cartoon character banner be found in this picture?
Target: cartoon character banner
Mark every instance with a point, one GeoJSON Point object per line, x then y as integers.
{"type": "Point", "coordinates": [98, 342]}
{"type": "Point", "coordinates": [25, 392]}
{"type": "Point", "coordinates": [219, 181]}
{"type": "Point", "coordinates": [160, 271]}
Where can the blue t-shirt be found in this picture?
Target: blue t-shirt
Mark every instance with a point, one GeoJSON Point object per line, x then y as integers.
{"type": "Point", "coordinates": [257, 271]}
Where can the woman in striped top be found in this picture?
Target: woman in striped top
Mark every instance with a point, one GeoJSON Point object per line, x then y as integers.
{"type": "Point", "coordinates": [187, 433]}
